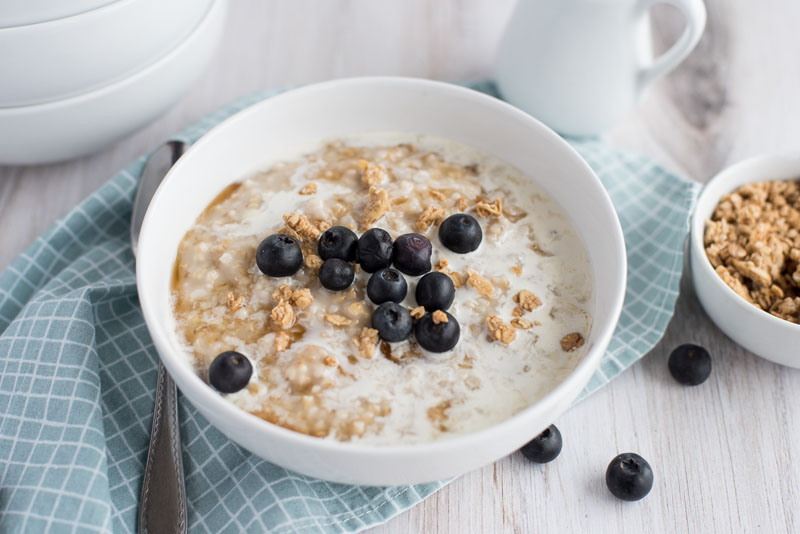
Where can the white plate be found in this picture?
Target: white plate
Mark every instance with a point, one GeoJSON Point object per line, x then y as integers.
{"type": "Point", "coordinates": [74, 55]}
{"type": "Point", "coordinates": [758, 331]}
{"type": "Point", "coordinates": [277, 126]}
{"type": "Point", "coordinates": [83, 124]}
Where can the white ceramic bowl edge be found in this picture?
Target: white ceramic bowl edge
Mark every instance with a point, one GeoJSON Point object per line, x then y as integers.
{"type": "Point", "coordinates": [80, 125]}
{"type": "Point", "coordinates": [74, 55]}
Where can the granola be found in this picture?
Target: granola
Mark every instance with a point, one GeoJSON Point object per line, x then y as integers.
{"type": "Point", "coordinates": [234, 302]}
{"type": "Point", "coordinates": [753, 242]}
{"type": "Point", "coordinates": [308, 189]}
{"type": "Point", "coordinates": [522, 324]}
{"type": "Point", "coordinates": [572, 342]}
{"type": "Point", "coordinates": [417, 313]}
{"type": "Point", "coordinates": [282, 292]}
{"type": "Point", "coordinates": [480, 283]}
{"type": "Point", "coordinates": [338, 320]}
{"type": "Point", "coordinates": [366, 342]}
{"type": "Point", "coordinates": [377, 206]}
{"type": "Point", "coordinates": [438, 195]}
{"type": "Point", "coordinates": [500, 330]}
{"type": "Point", "coordinates": [302, 298]}
{"type": "Point", "coordinates": [300, 228]}
{"type": "Point", "coordinates": [283, 314]}
{"type": "Point", "coordinates": [313, 262]}
{"type": "Point", "coordinates": [487, 209]}
{"type": "Point", "coordinates": [527, 300]}
{"type": "Point", "coordinates": [432, 214]}
{"type": "Point", "coordinates": [371, 174]}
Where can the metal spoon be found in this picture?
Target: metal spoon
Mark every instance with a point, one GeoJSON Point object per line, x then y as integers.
{"type": "Point", "coordinates": [162, 508]}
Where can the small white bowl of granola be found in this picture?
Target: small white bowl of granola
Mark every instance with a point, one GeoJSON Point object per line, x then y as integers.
{"type": "Point", "coordinates": [296, 361]}
{"type": "Point", "coordinates": [745, 254]}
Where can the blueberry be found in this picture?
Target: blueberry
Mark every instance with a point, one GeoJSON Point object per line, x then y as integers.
{"type": "Point", "coordinates": [437, 337]}
{"type": "Point", "coordinates": [690, 364]}
{"type": "Point", "coordinates": [545, 447]}
{"type": "Point", "coordinates": [435, 291]}
{"type": "Point", "coordinates": [412, 254]}
{"type": "Point", "coordinates": [387, 285]}
{"type": "Point", "coordinates": [460, 233]}
{"type": "Point", "coordinates": [338, 242]}
{"type": "Point", "coordinates": [336, 274]}
{"type": "Point", "coordinates": [392, 321]}
{"type": "Point", "coordinates": [375, 250]}
{"type": "Point", "coordinates": [230, 372]}
{"type": "Point", "coordinates": [279, 255]}
{"type": "Point", "coordinates": [629, 477]}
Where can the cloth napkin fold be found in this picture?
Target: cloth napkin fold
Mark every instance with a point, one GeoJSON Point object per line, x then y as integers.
{"type": "Point", "coordinates": [78, 370]}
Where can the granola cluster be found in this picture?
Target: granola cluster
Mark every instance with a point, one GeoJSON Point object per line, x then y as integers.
{"type": "Point", "coordinates": [366, 342]}
{"type": "Point", "coordinates": [525, 302]}
{"type": "Point", "coordinates": [753, 242]}
{"type": "Point", "coordinates": [377, 206]}
{"type": "Point", "coordinates": [283, 314]}
{"type": "Point", "coordinates": [299, 227]}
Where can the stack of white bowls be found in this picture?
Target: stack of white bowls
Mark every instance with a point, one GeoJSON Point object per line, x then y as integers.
{"type": "Point", "coordinates": [78, 75]}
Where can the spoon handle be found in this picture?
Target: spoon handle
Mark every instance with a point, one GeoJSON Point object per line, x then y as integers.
{"type": "Point", "coordinates": [163, 502]}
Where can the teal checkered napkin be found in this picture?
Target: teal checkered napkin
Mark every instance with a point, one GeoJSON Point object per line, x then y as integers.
{"type": "Point", "coordinates": [78, 371]}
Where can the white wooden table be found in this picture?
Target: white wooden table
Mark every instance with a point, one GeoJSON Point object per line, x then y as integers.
{"type": "Point", "coordinates": [722, 452]}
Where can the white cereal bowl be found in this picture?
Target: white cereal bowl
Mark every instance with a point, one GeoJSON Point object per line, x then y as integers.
{"type": "Point", "coordinates": [76, 126]}
{"type": "Point", "coordinates": [73, 55]}
{"type": "Point", "coordinates": [265, 131]}
{"type": "Point", "coordinates": [759, 332]}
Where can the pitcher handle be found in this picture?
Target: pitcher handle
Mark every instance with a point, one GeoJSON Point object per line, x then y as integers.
{"type": "Point", "coordinates": [695, 13]}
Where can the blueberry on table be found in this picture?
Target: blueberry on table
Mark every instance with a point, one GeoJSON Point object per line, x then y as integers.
{"type": "Point", "coordinates": [230, 372]}
{"type": "Point", "coordinates": [545, 447]}
{"type": "Point", "coordinates": [435, 291]}
{"type": "Point", "coordinates": [690, 364]}
{"type": "Point", "coordinates": [375, 250]}
{"type": "Point", "coordinates": [387, 285]}
{"type": "Point", "coordinates": [338, 242]}
{"type": "Point", "coordinates": [412, 254]}
{"type": "Point", "coordinates": [629, 477]}
{"type": "Point", "coordinates": [279, 255]}
{"type": "Point", "coordinates": [437, 336]}
{"type": "Point", "coordinates": [392, 321]}
{"type": "Point", "coordinates": [336, 274]}
{"type": "Point", "coordinates": [460, 233]}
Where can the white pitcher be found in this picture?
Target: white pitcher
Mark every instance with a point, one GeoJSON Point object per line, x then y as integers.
{"type": "Point", "coordinates": [580, 66]}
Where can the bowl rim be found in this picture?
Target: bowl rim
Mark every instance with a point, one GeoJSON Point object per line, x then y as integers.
{"type": "Point", "coordinates": [582, 372]}
{"type": "Point", "coordinates": [728, 180]}
{"type": "Point", "coordinates": [215, 8]}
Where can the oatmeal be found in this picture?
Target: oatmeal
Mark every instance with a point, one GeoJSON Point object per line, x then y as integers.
{"type": "Point", "coordinates": [522, 298]}
{"type": "Point", "coordinates": [753, 243]}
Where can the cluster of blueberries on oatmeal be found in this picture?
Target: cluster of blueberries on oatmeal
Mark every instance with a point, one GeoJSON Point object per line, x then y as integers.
{"type": "Point", "coordinates": [339, 248]}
